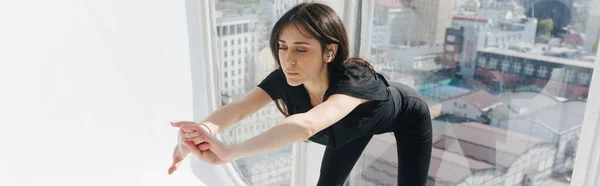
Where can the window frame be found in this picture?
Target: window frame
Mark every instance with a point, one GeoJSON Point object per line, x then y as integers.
{"type": "Point", "coordinates": [451, 38]}
{"type": "Point", "coordinates": [530, 69]}
{"type": "Point", "coordinates": [202, 31]}
{"type": "Point", "coordinates": [517, 67]}
{"type": "Point", "coordinates": [505, 65]}
{"type": "Point", "coordinates": [449, 48]}
{"type": "Point", "coordinates": [587, 162]}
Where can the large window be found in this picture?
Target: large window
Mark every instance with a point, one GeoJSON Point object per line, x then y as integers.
{"type": "Point", "coordinates": [509, 120]}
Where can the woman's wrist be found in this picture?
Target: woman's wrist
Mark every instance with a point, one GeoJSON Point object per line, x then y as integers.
{"type": "Point", "coordinates": [206, 128]}
{"type": "Point", "coordinates": [236, 151]}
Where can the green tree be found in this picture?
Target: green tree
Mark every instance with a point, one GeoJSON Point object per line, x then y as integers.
{"type": "Point", "coordinates": [438, 60]}
{"type": "Point", "coordinates": [545, 26]}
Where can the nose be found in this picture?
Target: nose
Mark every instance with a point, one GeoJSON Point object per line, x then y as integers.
{"type": "Point", "coordinates": [287, 58]}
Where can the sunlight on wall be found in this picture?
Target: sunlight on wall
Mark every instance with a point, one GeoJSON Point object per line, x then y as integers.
{"type": "Point", "coordinates": [88, 90]}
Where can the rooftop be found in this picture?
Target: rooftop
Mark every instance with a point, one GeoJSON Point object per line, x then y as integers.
{"type": "Point", "coordinates": [459, 152]}
{"type": "Point", "coordinates": [516, 103]}
{"type": "Point", "coordinates": [477, 147]}
{"type": "Point", "coordinates": [481, 99]}
{"type": "Point", "coordinates": [450, 118]}
{"type": "Point", "coordinates": [560, 117]}
{"type": "Point", "coordinates": [441, 126]}
{"type": "Point", "coordinates": [539, 57]}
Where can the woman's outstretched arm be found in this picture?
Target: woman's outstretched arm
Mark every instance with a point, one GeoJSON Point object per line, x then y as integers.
{"type": "Point", "coordinates": [298, 127]}
{"type": "Point", "coordinates": [220, 119]}
{"type": "Point", "coordinates": [236, 111]}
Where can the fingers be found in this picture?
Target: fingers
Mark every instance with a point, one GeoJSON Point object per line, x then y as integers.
{"type": "Point", "coordinates": [188, 126]}
{"type": "Point", "coordinates": [194, 148]}
{"type": "Point", "coordinates": [206, 156]}
{"type": "Point", "coordinates": [216, 146]}
{"type": "Point", "coordinates": [193, 128]}
{"type": "Point", "coordinates": [177, 159]}
{"type": "Point", "coordinates": [204, 146]}
{"type": "Point", "coordinates": [194, 135]}
{"type": "Point", "coordinates": [172, 169]}
{"type": "Point", "coordinates": [180, 123]}
{"type": "Point", "coordinates": [181, 138]}
{"type": "Point", "coordinates": [198, 140]}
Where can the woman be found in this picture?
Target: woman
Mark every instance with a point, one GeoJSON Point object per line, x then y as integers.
{"type": "Point", "coordinates": [326, 98]}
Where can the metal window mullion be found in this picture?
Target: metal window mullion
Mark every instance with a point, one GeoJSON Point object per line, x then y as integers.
{"type": "Point", "coordinates": [358, 17]}
{"type": "Point", "coordinates": [587, 161]}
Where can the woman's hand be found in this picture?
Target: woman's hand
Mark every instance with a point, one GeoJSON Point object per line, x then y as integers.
{"type": "Point", "coordinates": [181, 149]}
{"type": "Point", "coordinates": [206, 156]}
{"type": "Point", "coordinates": [179, 153]}
{"type": "Point", "coordinates": [209, 149]}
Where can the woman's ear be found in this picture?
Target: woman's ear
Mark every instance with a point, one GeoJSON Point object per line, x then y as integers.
{"type": "Point", "coordinates": [330, 52]}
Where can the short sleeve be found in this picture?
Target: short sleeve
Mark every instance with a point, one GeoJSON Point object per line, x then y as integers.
{"type": "Point", "coordinates": [359, 81]}
{"type": "Point", "coordinates": [273, 84]}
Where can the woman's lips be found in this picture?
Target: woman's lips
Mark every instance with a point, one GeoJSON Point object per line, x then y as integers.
{"type": "Point", "coordinates": [291, 73]}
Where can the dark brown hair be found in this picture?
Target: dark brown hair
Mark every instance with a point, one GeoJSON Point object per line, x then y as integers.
{"type": "Point", "coordinates": [324, 25]}
{"type": "Point", "coordinates": [360, 61]}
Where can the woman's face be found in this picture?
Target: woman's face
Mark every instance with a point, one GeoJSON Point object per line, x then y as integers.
{"type": "Point", "coordinates": [300, 55]}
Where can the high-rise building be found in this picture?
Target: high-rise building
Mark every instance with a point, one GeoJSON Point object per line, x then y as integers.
{"type": "Point", "coordinates": [253, 125]}
{"type": "Point", "coordinates": [532, 68]}
{"type": "Point", "coordinates": [406, 59]}
{"type": "Point", "coordinates": [270, 12]}
{"type": "Point", "coordinates": [471, 33]}
{"type": "Point", "coordinates": [264, 66]}
{"type": "Point", "coordinates": [276, 8]}
{"type": "Point", "coordinates": [415, 22]}
{"type": "Point", "coordinates": [237, 47]}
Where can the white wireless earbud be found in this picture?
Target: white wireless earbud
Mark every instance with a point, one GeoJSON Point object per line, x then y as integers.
{"type": "Point", "coordinates": [330, 55]}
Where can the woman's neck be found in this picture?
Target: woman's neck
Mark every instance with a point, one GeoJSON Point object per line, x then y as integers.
{"type": "Point", "coordinates": [317, 87]}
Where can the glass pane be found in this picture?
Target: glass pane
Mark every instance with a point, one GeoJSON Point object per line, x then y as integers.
{"type": "Point", "coordinates": [506, 82]}
{"type": "Point", "coordinates": [240, 21]}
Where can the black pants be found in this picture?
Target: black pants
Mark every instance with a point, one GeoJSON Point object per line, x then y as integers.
{"type": "Point", "coordinates": [413, 142]}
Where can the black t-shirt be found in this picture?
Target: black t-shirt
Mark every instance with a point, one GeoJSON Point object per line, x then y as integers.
{"type": "Point", "coordinates": [355, 80]}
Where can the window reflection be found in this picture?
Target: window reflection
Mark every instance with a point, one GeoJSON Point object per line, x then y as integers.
{"type": "Point", "coordinates": [506, 81]}
{"type": "Point", "coordinates": [507, 86]}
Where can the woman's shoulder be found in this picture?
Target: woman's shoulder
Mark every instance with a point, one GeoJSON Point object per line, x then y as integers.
{"type": "Point", "coordinates": [274, 83]}
{"type": "Point", "coordinates": [356, 69]}
{"type": "Point", "coordinates": [361, 81]}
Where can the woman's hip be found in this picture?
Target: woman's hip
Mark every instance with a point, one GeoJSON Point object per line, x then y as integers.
{"type": "Point", "coordinates": [414, 122]}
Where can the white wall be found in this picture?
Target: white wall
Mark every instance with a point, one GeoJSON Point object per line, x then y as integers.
{"type": "Point", "coordinates": [87, 90]}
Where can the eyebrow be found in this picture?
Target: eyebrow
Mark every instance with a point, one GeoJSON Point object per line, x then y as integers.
{"type": "Point", "coordinates": [297, 42]}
